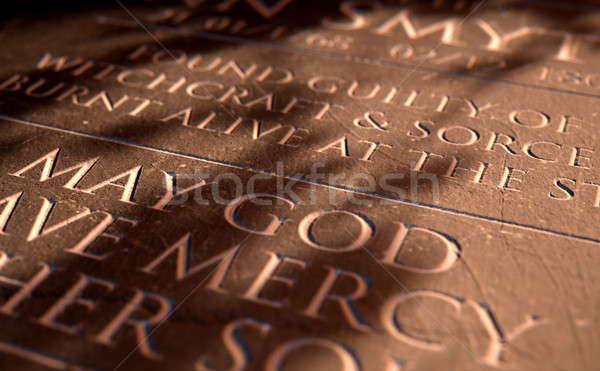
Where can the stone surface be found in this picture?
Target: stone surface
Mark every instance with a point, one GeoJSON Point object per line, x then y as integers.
{"type": "Point", "coordinates": [282, 184]}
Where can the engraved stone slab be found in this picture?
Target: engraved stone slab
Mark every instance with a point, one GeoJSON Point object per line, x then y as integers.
{"type": "Point", "coordinates": [275, 185]}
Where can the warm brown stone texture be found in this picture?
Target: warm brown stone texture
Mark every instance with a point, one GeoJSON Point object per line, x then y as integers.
{"type": "Point", "coordinates": [282, 185]}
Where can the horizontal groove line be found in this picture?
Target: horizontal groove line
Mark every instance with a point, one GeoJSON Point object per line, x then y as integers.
{"type": "Point", "coordinates": [398, 200]}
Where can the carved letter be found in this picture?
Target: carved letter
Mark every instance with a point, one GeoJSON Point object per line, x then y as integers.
{"type": "Point", "coordinates": [48, 172]}
{"type": "Point", "coordinates": [448, 28]}
{"type": "Point", "coordinates": [305, 226]}
{"type": "Point", "coordinates": [235, 345]}
{"type": "Point", "coordinates": [142, 327]}
{"type": "Point", "coordinates": [59, 63]}
{"type": "Point", "coordinates": [25, 288]}
{"type": "Point", "coordinates": [183, 248]}
{"type": "Point", "coordinates": [72, 296]}
{"type": "Point", "coordinates": [171, 190]}
{"type": "Point", "coordinates": [132, 176]}
{"type": "Point", "coordinates": [345, 302]}
{"type": "Point", "coordinates": [277, 357]}
{"type": "Point", "coordinates": [450, 245]}
{"type": "Point", "coordinates": [39, 229]}
{"type": "Point", "coordinates": [267, 274]}
{"type": "Point", "coordinates": [231, 213]}
{"type": "Point", "coordinates": [11, 202]}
